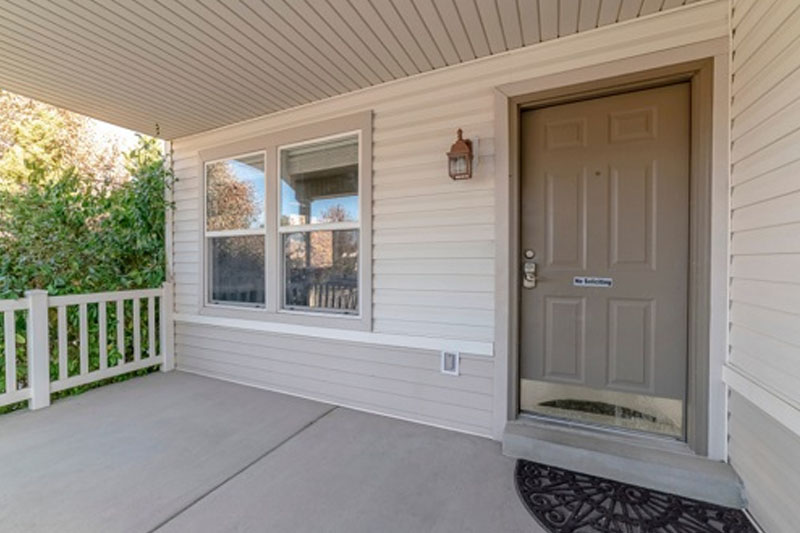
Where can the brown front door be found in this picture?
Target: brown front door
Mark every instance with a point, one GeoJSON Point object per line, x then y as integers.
{"type": "Point", "coordinates": [604, 234]}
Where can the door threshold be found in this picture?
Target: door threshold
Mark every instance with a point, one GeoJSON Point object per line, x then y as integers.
{"type": "Point", "coordinates": [655, 463]}
{"type": "Point", "coordinates": [608, 433]}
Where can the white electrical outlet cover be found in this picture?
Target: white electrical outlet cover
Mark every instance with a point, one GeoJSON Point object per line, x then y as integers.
{"type": "Point", "coordinates": [450, 362]}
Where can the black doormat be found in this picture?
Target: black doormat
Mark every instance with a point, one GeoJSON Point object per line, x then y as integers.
{"type": "Point", "coordinates": [569, 502]}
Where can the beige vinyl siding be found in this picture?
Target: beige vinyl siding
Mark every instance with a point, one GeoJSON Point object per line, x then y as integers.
{"type": "Point", "coordinates": [402, 382]}
{"type": "Point", "coordinates": [765, 253]}
{"type": "Point", "coordinates": [760, 449]}
{"type": "Point", "coordinates": [433, 238]}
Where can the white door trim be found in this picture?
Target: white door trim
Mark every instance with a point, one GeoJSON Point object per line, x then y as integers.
{"type": "Point", "coordinates": [507, 223]}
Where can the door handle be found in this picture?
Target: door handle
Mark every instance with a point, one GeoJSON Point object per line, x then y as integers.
{"type": "Point", "coordinates": [529, 274]}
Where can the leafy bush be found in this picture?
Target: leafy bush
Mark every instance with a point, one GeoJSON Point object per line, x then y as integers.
{"type": "Point", "coordinates": [71, 234]}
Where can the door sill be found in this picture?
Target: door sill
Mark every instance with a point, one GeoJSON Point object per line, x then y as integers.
{"type": "Point", "coordinates": [648, 461]}
{"type": "Point", "coordinates": [608, 433]}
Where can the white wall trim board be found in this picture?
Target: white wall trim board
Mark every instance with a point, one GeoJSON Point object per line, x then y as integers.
{"type": "Point", "coordinates": [719, 256]}
{"type": "Point", "coordinates": [759, 395]}
{"type": "Point", "coordinates": [483, 349]}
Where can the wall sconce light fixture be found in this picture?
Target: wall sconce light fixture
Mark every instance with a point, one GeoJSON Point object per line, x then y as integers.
{"type": "Point", "coordinates": [459, 158]}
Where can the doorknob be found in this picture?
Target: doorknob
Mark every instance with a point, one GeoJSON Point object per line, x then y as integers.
{"type": "Point", "coordinates": [529, 274]}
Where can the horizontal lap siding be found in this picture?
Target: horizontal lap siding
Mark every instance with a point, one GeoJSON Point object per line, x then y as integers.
{"type": "Point", "coordinates": [764, 454]}
{"type": "Point", "coordinates": [765, 248]}
{"type": "Point", "coordinates": [399, 382]}
{"type": "Point", "coordinates": [433, 238]}
{"type": "Point", "coordinates": [412, 195]}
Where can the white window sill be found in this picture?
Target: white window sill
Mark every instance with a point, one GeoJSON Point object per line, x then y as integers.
{"type": "Point", "coordinates": [485, 349]}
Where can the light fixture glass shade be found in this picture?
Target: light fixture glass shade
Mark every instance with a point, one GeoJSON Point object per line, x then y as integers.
{"type": "Point", "coordinates": [458, 165]}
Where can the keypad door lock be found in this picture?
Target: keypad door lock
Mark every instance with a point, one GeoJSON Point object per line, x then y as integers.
{"type": "Point", "coordinates": [529, 274]}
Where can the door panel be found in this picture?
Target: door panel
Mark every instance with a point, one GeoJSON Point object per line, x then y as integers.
{"type": "Point", "coordinates": [566, 221]}
{"type": "Point", "coordinates": [631, 345]}
{"type": "Point", "coordinates": [604, 210]}
{"type": "Point", "coordinates": [631, 211]}
{"type": "Point", "coordinates": [565, 352]}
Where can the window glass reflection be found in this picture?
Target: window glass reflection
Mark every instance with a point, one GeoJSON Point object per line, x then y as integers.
{"type": "Point", "coordinates": [319, 182]}
{"type": "Point", "coordinates": [237, 270]}
{"type": "Point", "coordinates": [235, 191]}
{"type": "Point", "coordinates": [321, 271]}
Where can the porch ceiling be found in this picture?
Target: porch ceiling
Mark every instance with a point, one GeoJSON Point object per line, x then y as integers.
{"type": "Point", "coordinates": [190, 66]}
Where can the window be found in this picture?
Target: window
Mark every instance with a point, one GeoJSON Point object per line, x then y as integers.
{"type": "Point", "coordinates": [236, 231]}
{"type": "Point", "coordinates": [287, 228]}
{"type": "Point", "coordinates": [319, 225]}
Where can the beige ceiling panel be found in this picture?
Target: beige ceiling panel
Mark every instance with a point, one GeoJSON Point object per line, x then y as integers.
{"type": "Point", "coordinates": [470, 18]}
{"type": "Point", "coordinates": [568, 17]}
{"type": "Point", "coordinates": [529, 22]}
{"type": "Point", "coordinates": [609, 12]}
{"type": "Point", "coordinates": [377, 22]}
{"type": "Point", "coordinates": [455, 29]}
{"type": "Point", "coordinates": [177, 67]}
{"type": "Point", "coordinates": [548, 19]}
{"type": "Point", "coordinates": [510, 20]}
{"type": "Point", "coordinates": [630, 9]}
{"type": "Point", "coordinates": [588, 15]}
{"type": "Point", "coordinates": [490, 19]}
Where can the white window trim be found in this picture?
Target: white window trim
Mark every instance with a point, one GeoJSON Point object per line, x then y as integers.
{"type": "Point", "coordinates": [270, 145]}
{"type": "Point", "coordinates": [236, 232]}
{"type": "Point", "coordinates": [327, 226]}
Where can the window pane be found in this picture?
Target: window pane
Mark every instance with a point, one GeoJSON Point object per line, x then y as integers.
{"type": "Point", "coordinates": [237, 269]}
{"type": "Point", "coordinates": [319, 182]}
{"type": "Point", "coordinates": [235, 194]}
{"type": "Point", "coordinates": [321, 270]}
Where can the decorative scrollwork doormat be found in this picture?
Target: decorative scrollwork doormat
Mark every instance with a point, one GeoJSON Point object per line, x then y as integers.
{"type": "Point", "coordinates": [570, 502]}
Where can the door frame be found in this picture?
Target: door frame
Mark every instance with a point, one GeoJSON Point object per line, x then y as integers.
{"type": "Point", "coordinates": [705, 66]}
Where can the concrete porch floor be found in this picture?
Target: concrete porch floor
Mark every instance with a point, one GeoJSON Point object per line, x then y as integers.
{"type": "Point", "coordinates": [178, 452]}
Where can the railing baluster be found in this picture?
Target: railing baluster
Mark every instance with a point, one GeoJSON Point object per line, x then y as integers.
{"type": "Point", "coordinates": [137, 334]}
{"type": "Point", "coordinates": [62, 342]}
{"type": "Point", "coordinates": [121, 331]}
{"type": "Point", "coordinates": [102, 335]}
{"type": "Point", "coordinates": [151, 327]}
{"type": "Point", "coordinates": [83, 332]}
{"type": "Point", "coordinates": [10, 334]}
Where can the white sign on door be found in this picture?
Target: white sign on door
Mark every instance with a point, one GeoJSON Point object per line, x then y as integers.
{"type": "Point", "coordinates": [588, 281]}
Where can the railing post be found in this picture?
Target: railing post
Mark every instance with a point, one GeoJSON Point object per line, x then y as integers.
{"type": "Point", "coordinates": [38, 349]}
{"type": "Point", "coordinates": [167, 328]}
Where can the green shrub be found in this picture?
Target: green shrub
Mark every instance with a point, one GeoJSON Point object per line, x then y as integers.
{"type": "Point", "coordinates": [71, 234]}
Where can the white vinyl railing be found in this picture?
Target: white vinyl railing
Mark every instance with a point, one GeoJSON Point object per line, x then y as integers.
{"type": "Point", "coordinates": [9, 309]}
{"type": "Point", "coordinates": [95, 337]}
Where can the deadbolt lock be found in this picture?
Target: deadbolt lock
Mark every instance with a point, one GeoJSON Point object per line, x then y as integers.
{"type": "Point", "coordinates": [529, 274]}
